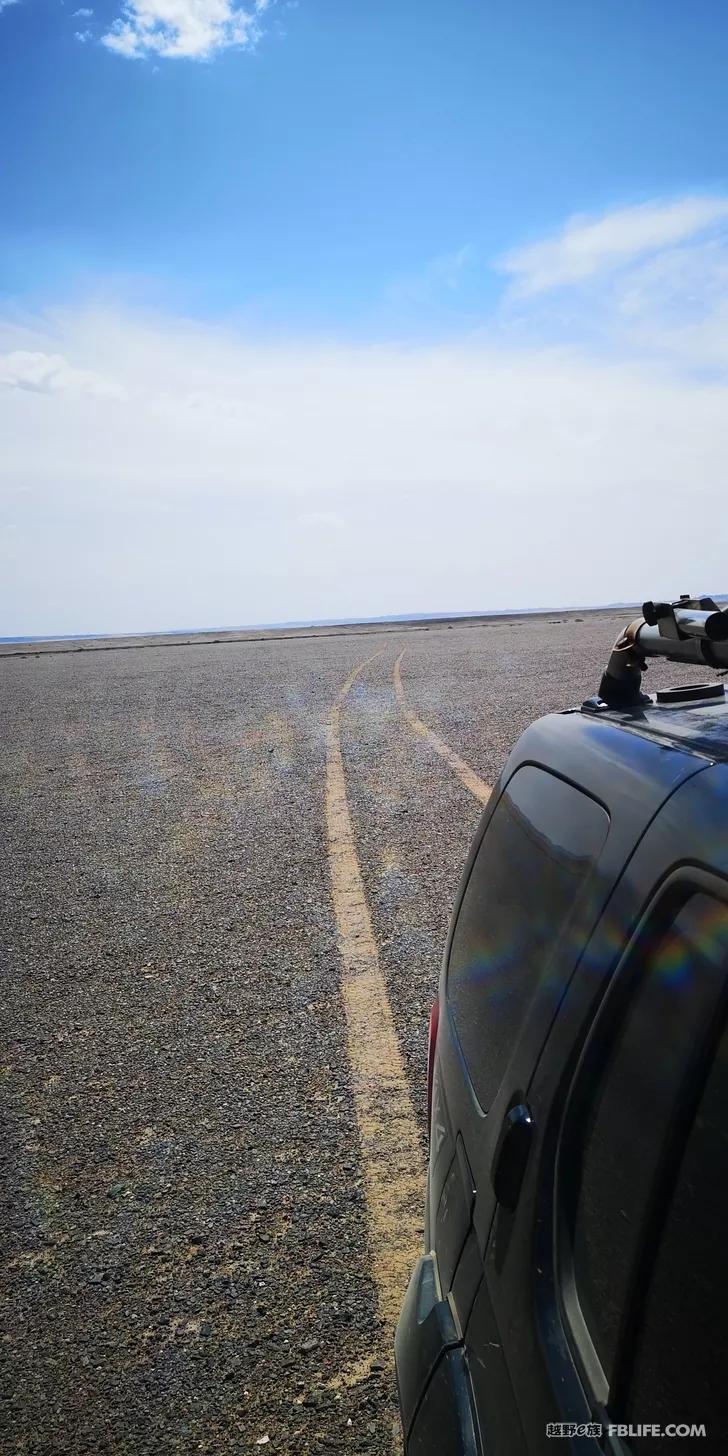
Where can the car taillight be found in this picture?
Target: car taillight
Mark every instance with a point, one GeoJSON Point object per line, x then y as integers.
{"type": "Point", "coordinates": [431, 1049]}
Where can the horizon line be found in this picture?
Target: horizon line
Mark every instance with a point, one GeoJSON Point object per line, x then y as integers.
{"type": "Point", "coordinates": [403, 618]}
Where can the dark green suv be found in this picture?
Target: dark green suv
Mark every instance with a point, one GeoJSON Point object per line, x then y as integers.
{"type": "Point", "coordinates": [572, 1293]}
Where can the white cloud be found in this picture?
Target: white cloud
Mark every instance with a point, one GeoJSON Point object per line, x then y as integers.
{"type": "Point", "coordinates": [178, 474]}
{"type": "Point", "coordinates": [159, 472]}
{"type": "Point", "coordinates": [322, 520]}
{"type": "Point", "coordinates": [43, 373]}
{"type": "Point", "coordinates": [590, 246]}
{"type": "Point", "coordinates": [84, 35]}
{"type": "Point", "coordinates": [83, 14]}
{"type": "Point", "coordinates": [668, 305]}
{"type": "Point", "coordinates": [5, 4]}
{"type": "Point", "coordinates": [440, 275]}
{"type": "Point", "coordinates": [183, 29]}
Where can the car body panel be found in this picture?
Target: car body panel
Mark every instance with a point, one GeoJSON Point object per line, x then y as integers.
{"type": "Point", "coordinates": [691, 830]}
{"type": "Point", "coordinates": [659, 792]}
{"type": "Point", "coordinates": [647, 777]}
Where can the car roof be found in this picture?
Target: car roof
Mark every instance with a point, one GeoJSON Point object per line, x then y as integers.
{"type": "Point", "coordinates": [701, 728]}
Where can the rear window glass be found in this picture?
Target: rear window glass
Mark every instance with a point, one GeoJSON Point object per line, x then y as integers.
{"type": "Point", "coordinates": [680, 1356]}
{"type": "Point", "coordinates": [632, 1086]}
{"type": "Point", "coordinates": [518, 928]}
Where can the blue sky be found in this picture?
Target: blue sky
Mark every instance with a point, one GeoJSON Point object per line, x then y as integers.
{"type": "Point", "coordinates": [379, 216]}
{"type": "Point", "coordinates": [357, 142]}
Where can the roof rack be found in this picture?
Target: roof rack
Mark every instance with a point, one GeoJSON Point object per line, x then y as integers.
{"type": "Point", "coordinates": [691, 629]}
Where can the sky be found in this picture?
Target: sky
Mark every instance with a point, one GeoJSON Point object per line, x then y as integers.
{"type": "Point", "coordinates": [341, 308]}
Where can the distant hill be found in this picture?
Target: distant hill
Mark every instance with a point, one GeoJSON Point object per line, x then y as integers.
{"type": "Point", "coordinates": [343, 621]}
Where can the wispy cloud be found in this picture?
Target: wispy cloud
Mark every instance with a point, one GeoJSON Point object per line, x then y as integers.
{"type": "Point", "coordinates": [174, 472]}
{"type": "Point", "coordinates": [184, 29]}
{"type": "Point", "coordinates": [83, 14]}
{"type": "Point", "coordinates": [84, 35]}
{"type": "Point", "coordinates": [440, 275]}
{"type": "Point", "coordinates": [5, 4]}
{"type": "Point", "coordinates": [590, 246]}
{"type": "Point", "coordinates": [160, 471]}
{"type": "Point", "coordinates": [321, 520]}
{"type": "Point", "coordinates": [43, 373]}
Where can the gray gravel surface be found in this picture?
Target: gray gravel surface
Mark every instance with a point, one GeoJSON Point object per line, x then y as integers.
{"type": "Point", "coordinates": [478, 689]}
{"type": "Point", "coordinates": [186, 1266]}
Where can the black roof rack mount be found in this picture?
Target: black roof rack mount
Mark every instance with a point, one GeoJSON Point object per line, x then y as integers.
{"type": "Point", "coordinates": [692, 629]}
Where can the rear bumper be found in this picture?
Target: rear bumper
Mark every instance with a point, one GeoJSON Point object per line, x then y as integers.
{"type": "Point", "coordinates": [435, 1394]}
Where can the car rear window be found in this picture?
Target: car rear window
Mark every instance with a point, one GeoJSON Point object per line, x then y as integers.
{"type": "Point", "coordinates": [625, 1110]}
{"type": "Point", "coordinates": [521, 920]}
{"type": "Point", "coordinates": [679, 1360]}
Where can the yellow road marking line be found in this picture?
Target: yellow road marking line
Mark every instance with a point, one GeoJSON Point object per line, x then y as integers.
{"type": "Point", "coordinates": [467, 775]}
{"type": "Point", "coordinates": [392, 1156]}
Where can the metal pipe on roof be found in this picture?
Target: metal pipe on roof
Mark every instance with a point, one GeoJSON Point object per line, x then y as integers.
{"type": "Point", "coordinates": [692, 630]}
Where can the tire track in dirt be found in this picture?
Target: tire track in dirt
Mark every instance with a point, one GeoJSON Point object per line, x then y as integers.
{"type": "Point", "coordinates": [390, 1143]}
{"type": "Point", "coordinates": [465, 773]}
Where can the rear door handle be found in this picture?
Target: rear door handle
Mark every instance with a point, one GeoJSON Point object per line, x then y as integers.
{"type": "Point", "coordinates": [511, 1154]}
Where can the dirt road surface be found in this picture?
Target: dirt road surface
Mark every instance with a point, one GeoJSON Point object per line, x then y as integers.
{"type": "Point", "coordinates": [226, 876]}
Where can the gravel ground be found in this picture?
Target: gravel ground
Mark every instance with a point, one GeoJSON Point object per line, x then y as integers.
{"type": "Point", "coordinates": [186, 1262]}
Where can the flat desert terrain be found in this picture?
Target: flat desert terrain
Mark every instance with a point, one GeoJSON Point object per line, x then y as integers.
{"type": "Point", "coordinates": [227, 873]}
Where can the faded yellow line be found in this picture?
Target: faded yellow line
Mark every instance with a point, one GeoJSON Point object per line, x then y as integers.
{"type": "Point", "coordinates": [392, 1156]}
{"type": "Point", "coordinates": [467, 775]}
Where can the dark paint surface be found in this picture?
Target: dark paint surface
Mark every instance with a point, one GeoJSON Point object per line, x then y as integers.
{"type": "Point", "coordinates": [660, 778]}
